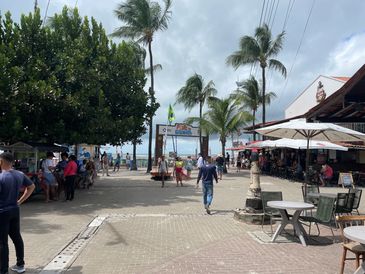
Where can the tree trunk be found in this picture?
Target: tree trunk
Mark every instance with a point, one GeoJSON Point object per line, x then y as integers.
{"type": "Point", "coordinates": [223, 141]}
{"type": "Point", "coordinates": [134, 157]}
{"type": "Point", "coordinates": [253, 124]}
{"type": "Point", "coordinates": [200, 127]}
{"type": "Point", "coordinates": [263, 97]}
{"type": "Point", "coordinates": [152, 98]}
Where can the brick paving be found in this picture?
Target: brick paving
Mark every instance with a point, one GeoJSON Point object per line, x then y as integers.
{"type": "Point", "coordinates": [165, 230]}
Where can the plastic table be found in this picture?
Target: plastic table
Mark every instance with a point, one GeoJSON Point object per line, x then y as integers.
{"type": "Point", "coordinates": [298, 207]}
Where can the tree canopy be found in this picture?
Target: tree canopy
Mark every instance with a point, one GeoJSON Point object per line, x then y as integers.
{"type": "Point", "coordinates": [66, 82]}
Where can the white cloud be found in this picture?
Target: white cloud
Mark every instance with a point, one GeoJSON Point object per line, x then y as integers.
{"type": "Point", "coordinates": [348, 56]}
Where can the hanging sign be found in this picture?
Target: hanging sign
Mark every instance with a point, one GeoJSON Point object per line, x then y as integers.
{"type": "Point", "coordinates": [179, 130]}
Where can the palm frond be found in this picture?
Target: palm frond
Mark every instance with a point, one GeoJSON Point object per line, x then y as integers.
{"type": "Point", "coordinates": [269, 97]}
{"type": "Point", "coordinates": [276, 45]}
{"type": "Point", "coordinates": [248, 53]}
{"type": "Point", "coordinates": [155, 68]}
{"type": "Point", "coordinates": [277, 65]}
{"type": "Point", "coordinates": [263, 37]}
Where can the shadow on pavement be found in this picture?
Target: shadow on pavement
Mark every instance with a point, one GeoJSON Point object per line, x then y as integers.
{"type": "Point", "coordinates": [119, 192]}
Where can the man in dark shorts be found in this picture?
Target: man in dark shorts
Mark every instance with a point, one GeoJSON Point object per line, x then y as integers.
{"type": "Point", "coordinates": [220, 165]}
{"type": "Point", "coordinates": [227, 159]}
{"type": "Point", "coordinates": [10, 183]}
{"type": "Point", "coordinates": [207, 172]}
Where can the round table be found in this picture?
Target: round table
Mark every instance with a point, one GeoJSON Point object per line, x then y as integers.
{"type": "Point", "coordinates": [357, 234]}
{"type": "Point", "coordinates": [298, 207]}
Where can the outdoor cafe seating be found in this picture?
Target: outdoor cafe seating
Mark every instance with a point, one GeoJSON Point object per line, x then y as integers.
{"type": "Point", "coordinates": [323, 214]}
{"type": "Point", "coordinates": [354, 247]}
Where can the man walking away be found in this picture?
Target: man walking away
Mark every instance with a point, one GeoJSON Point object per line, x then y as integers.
{"type": "Point", "coordinates": [220, 163]}
{"type": "Point", "coordinates": [10, 183]}
{"type": "Point", "coordinates": [105, 163]}
{"type": "Point", "coordinates": [200, 162]}
{"type": "Point", "coordinates": [227, 159]}
{"type": "Point", "coordinates": [207, 173]}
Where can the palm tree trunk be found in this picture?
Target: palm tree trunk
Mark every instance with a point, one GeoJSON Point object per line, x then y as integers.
{"type": "Point", "coordinates": [223, 155]}
{"type": "Point", "coordinates": [263, 97]}
{"type": "Point", "coordinates": [200, 128]}
{"type": "Point", "coordinates": [253, 124]}
{"type": "Point", "coordinates": [152, 95]}
{"type": "Point", "coordinates": [263, 100]}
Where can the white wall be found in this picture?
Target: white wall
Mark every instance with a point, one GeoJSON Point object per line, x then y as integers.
{"type": "Point", "coordinates": [307, 99]}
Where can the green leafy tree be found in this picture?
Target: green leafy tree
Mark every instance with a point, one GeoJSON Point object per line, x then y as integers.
{"type": "Point", "coordinates": [223, 117]}
{"type": "Point", "coordinates": [143, 18]}
{"type": "Point", "coordinates": [195, 93]}
{"type": "Point", "coordinates": [66, 82]}
{"type": "Point", "coordinates": [260, 49]}
{"type": "Point", "coordinates": [250, 96]}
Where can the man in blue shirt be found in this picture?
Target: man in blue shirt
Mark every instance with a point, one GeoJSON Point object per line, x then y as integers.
{"type": "Point", "coordinates": [207, 172]}
{"type": "Point", "coordinates": [10, 183]}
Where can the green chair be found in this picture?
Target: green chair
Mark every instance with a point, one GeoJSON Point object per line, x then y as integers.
{"type": "Point", "coordinates": [323, 214]}
{"type": "Point", "coordinates": [310, 189]}
{"type": "Point", "coordinates": [357, 199]}
{"type": "Point", "coordinates": [344, 203]}
{"type": "Point", "coordinates": [272, 213]}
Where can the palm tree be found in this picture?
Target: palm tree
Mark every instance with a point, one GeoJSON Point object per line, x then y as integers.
{"type": "Point", "coordinates": [195, 93]}
{"type": "Point", "coordinates": [143, 19]}
{"type": "Point", "coordinates": [248, 94]}
{"type": "Point", "coordinates": [223, 118]}
{"type": "Point", "coordinates": [259, 50]}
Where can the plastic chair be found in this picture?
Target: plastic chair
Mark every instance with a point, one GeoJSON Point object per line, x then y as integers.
{"type": "Point", "coordinates": [357, 198]}
{"type": "Point", "coordinates": [344, 203]}
{"type": "Point", "coordinates": [323, 214]}
{"type": "Point", "coordinates": [273, 213]}
{"type": "Point", "coordinates": [354, 247]}
{"type": "Point", "coordinates": [310, 189]}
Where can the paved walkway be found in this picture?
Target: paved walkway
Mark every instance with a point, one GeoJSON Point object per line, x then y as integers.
{"type": "Point", "coordinates": [149, 229]}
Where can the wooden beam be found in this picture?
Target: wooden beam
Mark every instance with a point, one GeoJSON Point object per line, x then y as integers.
{"type": "Point", "coordinates": [343, 110]}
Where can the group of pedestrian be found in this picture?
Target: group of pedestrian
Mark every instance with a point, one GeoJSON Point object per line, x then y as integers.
{"type": "Point", "coordinates": [107, 161]}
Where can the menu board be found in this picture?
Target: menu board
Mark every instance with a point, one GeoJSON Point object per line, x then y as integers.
{"type": "Point", "coordinates": [346, 180]}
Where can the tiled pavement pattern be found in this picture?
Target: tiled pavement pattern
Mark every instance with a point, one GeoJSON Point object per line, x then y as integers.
{"type": "Point", "coordinates": [154, 230]}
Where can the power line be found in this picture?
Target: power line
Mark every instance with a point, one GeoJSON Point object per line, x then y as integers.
{"type": "Point", "coordinates": [273, 19]}
{"type": "Point", "coordinates": [299, 46]}
{"type": "Point", "coordinates": [270, 12]}
{"type": "Point", "coordinates": [262, 11]}
{"type": "Point", "coordinates": [288, 11]}
{"type": "Point", "coordinates": [45, 15]}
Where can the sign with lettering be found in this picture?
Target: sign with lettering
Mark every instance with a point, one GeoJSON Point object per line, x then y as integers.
{"type": "Point", "coordinates": [179, 130]}
{"type": "Point", "coordinates": [346, 180]}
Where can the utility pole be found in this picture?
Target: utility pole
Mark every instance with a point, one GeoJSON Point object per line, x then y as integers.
{"type": "Point", "coordinates": [35, 5]}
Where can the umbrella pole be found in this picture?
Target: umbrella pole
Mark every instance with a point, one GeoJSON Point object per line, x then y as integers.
{"type": "Point", "coordinates": [307, 163]}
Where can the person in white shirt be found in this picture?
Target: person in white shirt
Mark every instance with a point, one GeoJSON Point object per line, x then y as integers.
{"type": "Point", "coordinates": [200, 161]}
{"type": "Point", "coordinates": [51, 184]}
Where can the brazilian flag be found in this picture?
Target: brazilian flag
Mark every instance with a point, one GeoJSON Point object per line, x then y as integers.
{"type": "Point", "coordinates": [171, 114]}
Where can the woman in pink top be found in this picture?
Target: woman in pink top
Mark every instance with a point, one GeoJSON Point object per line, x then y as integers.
{"type": "Point", "coordinates": [327, 174]}
{"type": "Point", "coordinates": [70, 173]}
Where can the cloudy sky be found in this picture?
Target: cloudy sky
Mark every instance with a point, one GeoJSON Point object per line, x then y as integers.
{"type": "Point", "coordinates": [202, 33]}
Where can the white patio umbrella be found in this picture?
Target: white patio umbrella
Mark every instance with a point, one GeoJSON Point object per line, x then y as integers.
{"type": "Point", "coordinates": [299, 129]}
{"type": "Point", "coordinates": [297, 144]}
{"type": "Point", "coordinates": [302, 144]}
